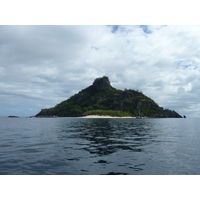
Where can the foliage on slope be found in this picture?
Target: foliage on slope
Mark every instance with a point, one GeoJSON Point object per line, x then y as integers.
{"type": "Point", "coordinates": [101, 98]}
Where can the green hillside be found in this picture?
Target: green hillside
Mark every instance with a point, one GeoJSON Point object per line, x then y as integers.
{"type": "Point", "coordinates": [102, 99]}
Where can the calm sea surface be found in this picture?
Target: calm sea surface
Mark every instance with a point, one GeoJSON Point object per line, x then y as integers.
{"type": "Point", "coordinates": [78, 146]}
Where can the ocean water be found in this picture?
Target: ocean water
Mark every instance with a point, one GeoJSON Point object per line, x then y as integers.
{"type": "Point", "coordinates": [104, 146]}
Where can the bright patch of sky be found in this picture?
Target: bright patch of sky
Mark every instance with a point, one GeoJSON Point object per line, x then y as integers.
{"type": "Point", "coordinates": [114, 28]}
{"type": "Point", "coordinates": [146, 29]}
{"type": "Point", "coordinates": [40, 66]}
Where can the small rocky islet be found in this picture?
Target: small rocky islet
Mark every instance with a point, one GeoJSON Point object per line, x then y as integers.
{"type": "Point", "coordinates": [101, 98]}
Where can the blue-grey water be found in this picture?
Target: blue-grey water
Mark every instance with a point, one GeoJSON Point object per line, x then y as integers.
{"type": "Point", "coordinates": [86, 146]}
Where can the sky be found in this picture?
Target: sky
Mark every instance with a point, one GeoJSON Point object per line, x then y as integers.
{"type": "Point", "coordinates": [40, 66]}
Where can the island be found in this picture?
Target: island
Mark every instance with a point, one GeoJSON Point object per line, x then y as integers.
{"type": "Point", "coordinates": [101, 99]}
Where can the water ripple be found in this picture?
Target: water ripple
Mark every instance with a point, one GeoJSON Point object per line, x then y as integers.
{"type": "Point", "coordinates": [99, 146]}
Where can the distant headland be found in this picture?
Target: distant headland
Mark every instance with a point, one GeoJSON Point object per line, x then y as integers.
{"type": "Point", "coordinates": [102, 99]}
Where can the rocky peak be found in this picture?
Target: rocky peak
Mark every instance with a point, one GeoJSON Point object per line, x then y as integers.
{"type": "Point", "coordinates": [101, 83]}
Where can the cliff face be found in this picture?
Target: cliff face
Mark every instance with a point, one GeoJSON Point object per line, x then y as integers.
{"type": "Point", "coordinates": [101, 83]}
{"type": "Point", "coordinates": [101, 96]}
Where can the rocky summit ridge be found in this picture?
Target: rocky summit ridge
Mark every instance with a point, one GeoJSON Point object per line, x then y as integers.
{"type": "Point", "coordinates": [101, 83]}
{"type": "Point", "coordinates": [102, 99]}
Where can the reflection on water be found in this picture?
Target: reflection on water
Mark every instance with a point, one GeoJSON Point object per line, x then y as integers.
{"type": "Point", "coordinates": [107, 136]}
{"type": "Point", "coordinates": [115, 145]}
{"type": "Point", "coordinates": [99, 146]}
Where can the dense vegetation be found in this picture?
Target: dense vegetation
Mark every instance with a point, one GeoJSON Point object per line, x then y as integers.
{"type": "Point", "coordinates": [113, 113]}
{"type": "Point", "coordinates": [102, 99]}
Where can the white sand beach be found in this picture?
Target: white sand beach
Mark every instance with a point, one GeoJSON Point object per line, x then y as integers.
{"type": "Point", "coordinates": [102, 116]}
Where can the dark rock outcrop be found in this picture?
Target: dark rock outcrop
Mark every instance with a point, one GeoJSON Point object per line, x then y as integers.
{"type": "Point", "coordinates": [171, 114]}
{"type": "Point", "coordinates": [101, 83]}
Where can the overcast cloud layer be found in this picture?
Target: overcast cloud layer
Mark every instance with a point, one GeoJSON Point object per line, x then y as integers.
{"type": "Point", "coordinates": [40, 66]}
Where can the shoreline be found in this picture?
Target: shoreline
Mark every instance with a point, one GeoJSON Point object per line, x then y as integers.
{"type": "Point", "coordinates": [103, 116]}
